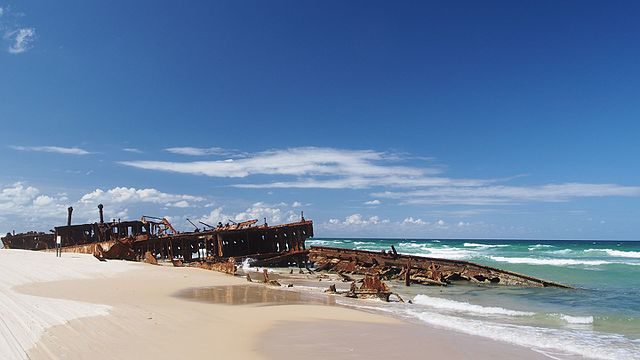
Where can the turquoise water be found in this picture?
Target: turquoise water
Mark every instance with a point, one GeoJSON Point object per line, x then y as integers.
{"type": "Point", "coordinates": [600, 318]}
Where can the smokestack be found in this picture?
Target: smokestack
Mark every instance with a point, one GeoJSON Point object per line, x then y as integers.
{"type": "Point", "coordinates": [101, 214]}
{"type": "Point", "coordinates": [70, 209]}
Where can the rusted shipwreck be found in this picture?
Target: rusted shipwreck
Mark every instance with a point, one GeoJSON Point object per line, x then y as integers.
{"type": "Point", "coordinates": [32, 240]}
{"type": "Point", "coordinates": [152, 239]}
{"type": "Point", "coordinates": [416, 269]}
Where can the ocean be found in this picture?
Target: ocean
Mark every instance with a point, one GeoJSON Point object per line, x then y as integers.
{"type": "Point", "coordinates": [598, 319]}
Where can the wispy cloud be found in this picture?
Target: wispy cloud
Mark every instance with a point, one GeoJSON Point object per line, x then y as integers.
{"type": "Point", "coordinates": [193, 151]}
{"type": "Point", "coordinates": [52, 149]}
{"type": "Point", "coordinates": [328, 168]}
{"type": "Point", "coordinates": [21, 39]}
{"type": "Point", "coordinates": [132, 150]}
{"type": "Point", "coordinates": [331, 168]}
{"type": "Point", "coordinates": [17, 37]}
{"type": "Point", "coordinates": [496, 195]}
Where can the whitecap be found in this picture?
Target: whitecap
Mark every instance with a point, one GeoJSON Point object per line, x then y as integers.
{"type": "Point", "coordinates": [562, 251]}
{"type": "Point", "coordinates": [539, 246]}
{"type": "Point", "coordinates": [483, 245]}
{"type": "Point", "coordinates": [555, 262]}
{"type": "Point", "coordinates": [459, 306]}
{"type": "Point", "coordinates": [616, 253]}
{"type": "Point", "coordinates": [575, 319]}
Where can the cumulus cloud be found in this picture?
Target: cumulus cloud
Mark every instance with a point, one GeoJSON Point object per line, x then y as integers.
{"type": "Point", "coordinates": [52, 149]}
{"type": "Point", "coordinates": [21, 40]}
{"type": "Point", "coordinates": [27, 203]}
{"type": "Point", "coordinates": [132, 150]}
{"type": "Point", "coordinates": [373, 202]}
{"type": "Point", "coordinates": [274, 214]}
{"type": "Point", "coordinates": [358, 220]}
{"type": "Point", "coordinates": [411, 221]}
{"type": "Point", "coordinates": [358, 225]}
{"type": "Point", "coordinates": [26, 208]}
{"type": "Point", "coordinates": [133, 195]}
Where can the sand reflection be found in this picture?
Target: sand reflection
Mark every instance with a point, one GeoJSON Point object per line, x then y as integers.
{"type": "Point", "coordinates": [253, 294]}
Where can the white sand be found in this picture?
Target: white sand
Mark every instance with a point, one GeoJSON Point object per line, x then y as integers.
{"type": "Point", "coordinates": [24, 318]}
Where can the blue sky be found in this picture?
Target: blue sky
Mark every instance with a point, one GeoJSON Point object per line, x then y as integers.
{"type": "Point", "coordinates": [418, 119]}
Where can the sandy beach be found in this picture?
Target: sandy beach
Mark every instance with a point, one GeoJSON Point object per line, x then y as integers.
{"type": "Point", "coordinates": [77, 308]}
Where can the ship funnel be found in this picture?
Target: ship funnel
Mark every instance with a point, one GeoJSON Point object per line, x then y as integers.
{"type": "Point", "coordinates": [100, 206]}
{"type": "Point", "coordinates": [70, 210]}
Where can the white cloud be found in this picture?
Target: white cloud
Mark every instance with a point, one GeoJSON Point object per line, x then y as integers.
{"type": "Point", "coordinates": [132, 150]}
{"type": "Point", "coordinates": [52, 149]}
{"type": "Point", "coordinates": [133, 195]}
{"type": "Point", "coordinates": [180, 204]}
{"type": "Point", "coordinates": [364, 166]}
{"type": "Point", "coordinates": [26, 208]}
{"type": "Point", "coordinates": [411, 221]}
{"type": "Point", "coordinates": [357, 225]}
{"type": "Point", "coordinates": [275, 214]}
{"type": "Point", "coordinates": [331, 168]}
{"type": "Point", "coordinates": [21, 39]}
{"type": "Point", "coordinates": [260, 211]}
{"type": "Point", "coordinates": [358, 220]}
{"type": "Point", "coordinates": [296, 204]}
{"type": "Point", "coordinates": [193, 151]}
{"type": "Point", "coordinates": [215, 215]}
{"type": "Point", "coordinates": [43, 200]}
{"type": "Point", "coordinates": [496, 195]}
{"type": "Point", "coordinates": [25, 203]}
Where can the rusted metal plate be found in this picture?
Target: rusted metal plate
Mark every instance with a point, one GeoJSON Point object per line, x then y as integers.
{"type": "Point", "coordinates": [424, 270]}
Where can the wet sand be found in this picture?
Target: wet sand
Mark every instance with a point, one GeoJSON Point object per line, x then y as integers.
{"type": "Point", "coordinates": [159, 312]}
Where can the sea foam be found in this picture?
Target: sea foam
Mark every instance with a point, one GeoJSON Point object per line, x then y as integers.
{"type": "Point", "coordinates": [576, 319]}
{"type": "Point", "coordinates": [459, 306]}
{"type": "Point", "coordinates": [594, 345]}
{"type": "Point", "coordinates": [487, 246]}
{"type": "Point", "coordinates": [554, 262]}
{"type": "Point", "coordinates": [616, 253]}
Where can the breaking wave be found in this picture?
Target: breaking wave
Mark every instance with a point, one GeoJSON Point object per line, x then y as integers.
{"type": "Point", "coordinates": [539, 246]}
{"type": "Point", "coordinates": [616, 253]}
{"type": "Point", "coordinates": [595, 345]}
{"type": "Point", "coordinates": [444, 252]}
{"type": "Point", "coordinates": [555, 262]}
{"type": "Point", "coordinates": [459, 306]}
{"type": "Point", "coordinates": [487, 246]}
{"type": "Point", "coordinates": [575, 319]}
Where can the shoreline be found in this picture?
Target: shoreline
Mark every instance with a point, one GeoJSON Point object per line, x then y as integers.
{"type": "Point", "coordinates": [147, 320]}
